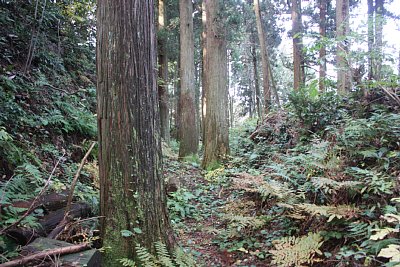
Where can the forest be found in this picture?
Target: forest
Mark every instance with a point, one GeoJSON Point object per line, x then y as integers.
{"type": "Point", "coordinates": [200, 133]}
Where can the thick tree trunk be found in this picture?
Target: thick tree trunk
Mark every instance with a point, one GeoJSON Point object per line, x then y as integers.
{"type": "Point", "coordinates": [264, 58]}
{"type": "Point", "coordinates": [371, 39]}
{"type": "Point", "coordinates": [132, 192]}
{"type": "Point", "coordinates": [189, 135]}
{"type": "Point", "coordinates": [163, 74]}
{"type": "Point", "coordinates": [216, 124]}
{"type": "Point", "coordinates": [342, 31]}
{"type": "Point", "coordinates": [378, 39]}
{"type": "Point", "coordinates": [298, 58]}
{"type": "Point", "coordinates": [322, 50]}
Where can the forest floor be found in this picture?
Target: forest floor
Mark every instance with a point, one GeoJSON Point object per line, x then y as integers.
{"type": "Point", "coordinates": [200, 210]}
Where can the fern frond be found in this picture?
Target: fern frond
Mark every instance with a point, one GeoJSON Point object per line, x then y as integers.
{"type": "Point", "coordinates": [296, 251]}
{"type": "Point", "coordinates": [127, 262]}
{"type": "Point", "coordinates": [330, 186]}
{"type": "Point", "coordinates": [332, 212]}
{"type": "Point", "coordinates": [238, 224]}
{"type": "Point", "coordinates": [278, 190]}
{"type": "Point", "coordinates": [184, 259]}
{"type": "Point", "coordinates": [163, 255]}
{"type": "Point", "coordinates": [145, 258]}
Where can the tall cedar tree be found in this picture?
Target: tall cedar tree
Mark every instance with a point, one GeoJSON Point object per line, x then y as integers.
{"type": "Point", "coordinates": [264, 58]}
{"type": "Point", "coordinates": [342, 31]}
{"type": "Point", "coordinates": [379, 8]}
{"type": "Point", "coordinates": [132, 194]}
{"type": "Point", "coordinates": [216, 124]}
{"type": "Point", "coordinates": [298, 57]}
{"type": "Point", "coordinates": [163, 73]}
{"type": "Point", "coordinates": [189, 135]}
{"type": "Point", "coordinates": [203, 66]}
{"type": "Point", "coordinates": [322, 49]}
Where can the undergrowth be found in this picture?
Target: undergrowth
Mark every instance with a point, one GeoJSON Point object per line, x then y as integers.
{"type": "Point", "coordinates": [330, 188]}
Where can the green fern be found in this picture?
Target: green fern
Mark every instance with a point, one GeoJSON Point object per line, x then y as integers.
{"type": "Point", "coordinates": [331, 212]}
{"type": "Point", "coordinates": [183, 259]}
{"type": "Point", "coordinates": [163, 255]}
{"type": "Point", "coordinates": [145, 257]}
{"type": "Point", "coordinates": [330, 186]}
{"type": "Point", "coordinates": [277, 190]}
{"type": "Point", "coordinates": [127, 262]}
{"type": "Point", "coordinates": [296, 251]}
{"type": "Point", "coordinates": [239, 225]}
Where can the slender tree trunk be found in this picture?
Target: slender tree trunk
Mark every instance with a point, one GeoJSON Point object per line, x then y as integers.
{"type": "Point", "coordinates": [255, 73]}
{"type": "Point", "coordinates": [216, 124]}
{"type": "Point", "coordinates": [188, 127]}
{"type": "Point", "coordinates": [378, 38]}
{"type": "Point", "coordinates": [176, 103]}
{"type": "Point", "coordinates": [342, 31]}
{"type": "Point", "coordinates": [163, 74]}
{"type": "Point", "coordinates": [398, 67]}
{"type": "Point", "coordinates": [274, 86]}
{"type": "Point", "coordinates": [322, 50]}
{"type": "Point", "coordinates": [132, 194]}
{"type": "Point", "coordinates": [264, 58]}
{"type": "Point", "coordinates": [298, 58]}
{"type": "Point", "coordinates": [371, 39]}
{"type": "Point", "coordinates": [203, 70]}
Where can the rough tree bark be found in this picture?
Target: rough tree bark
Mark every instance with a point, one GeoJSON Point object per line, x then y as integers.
{"type": "Point", "coordinates": [189, 135]}
{"type": "Point", "coordinates": [342, 31]}
{"type": "Point", "coordinates": [132, 194]}
{"type": "Point", "coordinates": [298, 57]}
{"type": "Point", "coordinates": [163, 74]}
{"type": "Point", "coordinates": [322, 50]}
{"type": "Point", "coordinates": [378, 39]}
{"type": "Point", "coordinates": [216, 124]}
{"type": "Point", "coordinates": [371, 39]}
{"type": "Point", "coordinates": [203, 67]}
{"type": "Point", "coordinates": [256, 81]}
{"type": "Point", "coordinates": [264, 58]}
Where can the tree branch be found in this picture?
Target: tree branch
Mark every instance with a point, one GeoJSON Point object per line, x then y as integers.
{"type": "Point", "coordinates": [34, 202]}
{"type": "Point", "coordinates": [46, 253]}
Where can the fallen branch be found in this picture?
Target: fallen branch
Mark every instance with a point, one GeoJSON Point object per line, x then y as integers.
{"type": "Point", "coordinates": [56, 231]}
{"type": "Point", "coordinates": [33, 205]}
{"type": "Point", "coordinates": [62, 90]}
{"type": "Point", "coordinates": [391, 94]}
{"type": "Point", "coordinates": [78, 172]}
{"type": "Point", "coordinates": [46, 253]}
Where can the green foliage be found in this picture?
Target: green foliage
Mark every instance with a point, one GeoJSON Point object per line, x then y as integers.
{"type": "Point", "coordinates": [314, 110]}
{"type": "Point", "coordinates": [193, 159]}
{"type": "Point", "coordinates": [342, 172]}
{"type": "Point", "coordinates": [296, 251]}
{"type": "Point", "coordinates": [179, 205]}
{"type": "Point", "coordinates": [161, 258]}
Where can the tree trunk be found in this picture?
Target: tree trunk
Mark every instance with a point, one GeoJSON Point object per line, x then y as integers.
{"type": "Point", "coordinates": [203, 70]}
{"type": "Point", "coordinates": [322, 50]}
{"type": "Point", "coordinates": [274, 85]}
{"type": "Point", "coordinates": [255, 73]}
{"type": "Point", "coordinates": [216, 125]}
{"type": "Point", "coordinates": [371, 39]}
{"type": "Point", "coordinates": [378, 39]}
{"type": "Point", "coordinates": [342, 31]}
{"type": "Point", "coordinates": [189, 136]}
{"type": "Point", "coordinates": [163, 74]}
{"type": "Point", "coordinates": [132, 192]}
{"type": "Point", "coordinates": [264, 58]}
{"type": "Point", "coordinates": [298, 57]}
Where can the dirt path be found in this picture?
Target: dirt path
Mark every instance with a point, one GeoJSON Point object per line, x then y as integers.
{"type": "Point", "coordinates": [200, 231]}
